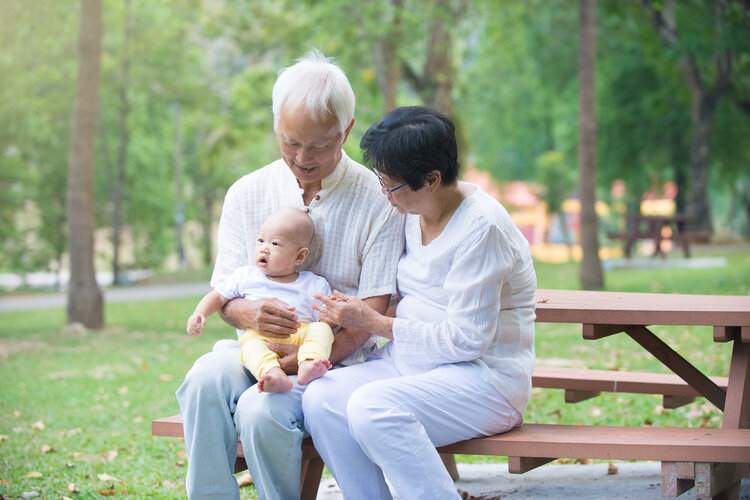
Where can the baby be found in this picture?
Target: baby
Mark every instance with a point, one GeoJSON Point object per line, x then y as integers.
{"type": "Point", "coordinates": [282, 246]}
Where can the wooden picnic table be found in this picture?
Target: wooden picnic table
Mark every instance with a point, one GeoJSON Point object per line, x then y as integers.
{"type": "Point", "coordinates": [609, 313]}
{"type": "Point", "coordinates": [651, 227]}
{"type": "Point", "coordinates": [712, 460]}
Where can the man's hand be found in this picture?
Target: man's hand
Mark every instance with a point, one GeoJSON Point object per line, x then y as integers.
{"type": "Point", "coordinates": [195, 324]}
{"type": "Point", "coordinates": [288, 359]}
{"type": "Point", "coordinates": [269, 317]}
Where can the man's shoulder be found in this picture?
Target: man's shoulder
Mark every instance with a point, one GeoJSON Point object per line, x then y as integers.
{"type": "Point", "coordinates": [366, 185]}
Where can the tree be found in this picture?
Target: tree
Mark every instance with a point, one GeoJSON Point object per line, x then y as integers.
{"type": "Point", "coordinates": [705, 94]}
{"type": "Point", "coordinates": [592, 277]}
{"type": "Point", "coordinates": [85, 304]}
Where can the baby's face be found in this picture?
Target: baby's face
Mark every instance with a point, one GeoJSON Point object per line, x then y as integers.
{"type": "Point", "coordinates": [277, 251]}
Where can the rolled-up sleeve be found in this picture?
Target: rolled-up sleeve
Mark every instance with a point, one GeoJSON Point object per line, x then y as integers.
{"type": "Point", "coordinates": [383, 248]}
{"type": "Point", "coordinates": [473, 283]}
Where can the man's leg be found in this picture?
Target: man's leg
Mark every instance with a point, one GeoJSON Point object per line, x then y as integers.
{"type": "Point", "coordinates": [398, 423]}
{"type": "Point", "coordinates": [324, 404]}
{"type": "Point", "coordinates": [207, 399]}
{"type": "Point", "coordinates": [271, 429]}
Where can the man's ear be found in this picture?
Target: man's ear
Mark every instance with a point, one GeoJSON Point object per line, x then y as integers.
{"type": "Point", "coordinates": [347, 131]}
{"type": "Point", "coordinates": [302, 254]}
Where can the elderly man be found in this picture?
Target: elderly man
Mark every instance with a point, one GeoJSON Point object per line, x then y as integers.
{"type": "Point", "coordinates": [360, 239]}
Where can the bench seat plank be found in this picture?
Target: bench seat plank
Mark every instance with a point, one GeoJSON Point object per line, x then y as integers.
{"type": "Point", "coordinates": [580, 379]}
{"type": "Point", "coordinates": [581, 441]}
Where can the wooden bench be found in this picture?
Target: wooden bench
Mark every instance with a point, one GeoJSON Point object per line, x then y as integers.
{"type": "Point", "coordinates": [582, 384]}
{"type": "Point", "coordinates": [533, 445]}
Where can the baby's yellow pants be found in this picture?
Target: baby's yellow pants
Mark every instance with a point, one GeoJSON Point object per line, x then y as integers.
{"type": "Point", "coordinates": [315, 340]}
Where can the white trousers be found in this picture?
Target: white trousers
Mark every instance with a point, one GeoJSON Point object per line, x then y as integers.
{"type": "Point", "coordinates": [368, 420]}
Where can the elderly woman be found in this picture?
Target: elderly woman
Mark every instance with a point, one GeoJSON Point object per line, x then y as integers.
{"type": "Point", "coordinates": [461, 354]}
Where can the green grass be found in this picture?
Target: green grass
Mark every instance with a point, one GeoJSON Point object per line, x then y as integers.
{"type": "Point", "coordinates": [96, 392]}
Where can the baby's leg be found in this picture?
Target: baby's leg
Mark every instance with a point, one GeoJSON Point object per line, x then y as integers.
{"type": "Point", "coordinates": [263, 363]}
{"type": "Point", "coordinates": [314, 352]}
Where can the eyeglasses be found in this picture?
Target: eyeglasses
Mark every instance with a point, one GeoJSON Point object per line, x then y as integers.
{"type": "Point", "coordinates": [387, 189]}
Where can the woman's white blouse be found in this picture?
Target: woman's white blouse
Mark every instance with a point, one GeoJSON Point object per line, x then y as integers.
{"type": "Point", "coordinates": [468, 296]}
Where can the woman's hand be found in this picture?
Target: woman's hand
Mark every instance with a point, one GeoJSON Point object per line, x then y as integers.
{"type": "Point", "coordinates": [353, 314]}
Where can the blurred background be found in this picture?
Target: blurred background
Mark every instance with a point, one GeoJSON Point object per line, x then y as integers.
{"type": "Point", "coordinates": [185, 109]}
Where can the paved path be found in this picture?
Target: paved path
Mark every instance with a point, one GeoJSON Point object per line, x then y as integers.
{"type": "Point", "coordinates": [120, 294]}
{"type": "Point", "coordinates": [633, 481]}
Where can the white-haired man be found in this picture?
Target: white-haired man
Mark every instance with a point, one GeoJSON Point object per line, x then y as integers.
{"type": "Point", "coordinates": [360, 238]}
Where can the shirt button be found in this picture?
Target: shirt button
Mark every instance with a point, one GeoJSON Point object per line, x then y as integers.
{"type": "Point", "coordinates": [307, 210]}
{"type": "Point", "coordinates": [317, 197]}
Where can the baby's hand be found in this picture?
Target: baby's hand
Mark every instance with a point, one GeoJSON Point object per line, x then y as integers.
{"type": "Point", "coordinates": [195, 324]}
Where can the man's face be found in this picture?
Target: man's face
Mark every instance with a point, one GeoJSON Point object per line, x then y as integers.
{"type": "Point", "coordinates": [310, 149]}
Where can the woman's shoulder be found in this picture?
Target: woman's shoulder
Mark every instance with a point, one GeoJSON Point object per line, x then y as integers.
{"type": "Point", "coordinates": [481, 211]}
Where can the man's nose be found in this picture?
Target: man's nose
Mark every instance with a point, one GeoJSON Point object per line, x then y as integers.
{"type": "Point", "coordinates": [303, 156]}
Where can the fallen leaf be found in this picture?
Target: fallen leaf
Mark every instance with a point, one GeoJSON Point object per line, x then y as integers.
{"type": "Point", "coordinates": [4, 482]}
{"type": "Point", "coordinates": [46, 449]}
{"type": "Point", "coordinates": [72, 488]}
{"type": "Point", "coordinates": [70, 465]}
{"type": "Point", "coordinates": [18, 429]}
{"type": "Point", "coordinates": [137, 419]}
{"type": "Point", "coordinates": [110, 455]}
{"type": "Point", "coordinates": [108, 492]}
{"type": "Point", "coordinates": [180, 463]}
{"type": "Point", "coordinates": [29, 494]}
{"type": "Point", "coordinates": [244, 480]}
{"type": "Point", "coordinates": [73, 432]}
{"type": "Point", "coordinates": [123, 390]}
{"type": "Point", "coordinates": [181, 454]}
{"type": "Point", "coordinates": [611, 469]}
{"type": "Point", "coordinates": [38, 425]}
{"type": "Point", "coordinates": [106, 477]}
{"type": "Point", "coordinates": [168, 484]}
{"type": "Point", "coordinates": [165, 377]}
{"type": "Point", "coordinates": [33, 475]}
{"type": "Point", "coordinates": [16, 413]}
{"type": "Point", "coordinates": [596, 411]}
{"type": "Point", "coordinates": [3, 437]}
{"type": "Point", "coordinates": [65, 498]}
{"type": "Point", "coordinates": [584, 461]}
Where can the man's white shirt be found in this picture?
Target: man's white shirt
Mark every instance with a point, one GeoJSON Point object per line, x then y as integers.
{"type": "Point", "coordinates": [359, 236]}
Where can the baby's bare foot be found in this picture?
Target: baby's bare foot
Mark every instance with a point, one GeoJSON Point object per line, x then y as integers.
{"type": "Point", "coordinates": [275, 380]}
{"type": "Point", "coordinates": [309, 370]}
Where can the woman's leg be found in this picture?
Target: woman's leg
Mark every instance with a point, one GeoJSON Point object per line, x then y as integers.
{"type": "Point", "coordinates": [399, 422]}
{"type": "Point", "coordinates": [324, 405]}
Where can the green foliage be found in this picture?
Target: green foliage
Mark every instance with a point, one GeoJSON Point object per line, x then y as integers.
{"type": "Point", "coordinates": [557, 177]}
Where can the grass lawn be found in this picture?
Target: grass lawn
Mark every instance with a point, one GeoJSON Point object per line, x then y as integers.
{"type": "Point", "coordinates": [75, 408]}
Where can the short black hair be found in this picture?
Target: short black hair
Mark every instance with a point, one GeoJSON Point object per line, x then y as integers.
{"type": "Point", "coordinates": [410, 142]}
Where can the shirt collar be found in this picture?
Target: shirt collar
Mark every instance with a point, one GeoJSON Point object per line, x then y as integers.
{"type": "Point", "coordinates": [335, 177]}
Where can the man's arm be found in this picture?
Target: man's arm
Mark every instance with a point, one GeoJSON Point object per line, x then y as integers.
{"type": "Point", "coordinates": [269, 317]}
{"type": "Point", "coordinates": [344, 343]}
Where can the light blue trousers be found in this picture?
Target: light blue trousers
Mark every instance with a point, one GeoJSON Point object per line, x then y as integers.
{"type": "Point", "coordinates": [218, 402]}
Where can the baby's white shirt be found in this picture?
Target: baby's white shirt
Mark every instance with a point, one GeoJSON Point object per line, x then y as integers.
{"type": "Point", "coordinates": [250, 283]}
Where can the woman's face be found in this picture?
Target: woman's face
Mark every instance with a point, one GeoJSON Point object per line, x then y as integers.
{"type": "Point", "coordinates": [400, 195]}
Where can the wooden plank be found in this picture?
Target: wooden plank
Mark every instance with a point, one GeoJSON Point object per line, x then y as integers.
{"type": "Point", "coordinates": [626, 308]}
{"type": "Point", "coordinates": [522, 465]}
{"type": "Point", "coordinates": [582, 379]}
{"type": "Point", "coordinates": [669, 358]}
{"type": "Point", "coordinates": [572, 396]}
{"type": "Point", "coordinates": [449, 461]}
{"type": "Point", "coordinates": [312, 470]}
{"type": "Point", "coordinates": [671, 402]}
{"type": "Point", "coordinates": [603, 442]}
{"type": "Point", "coordinates": [745, 334]}
{"type": "Point", "coordinates": [737, 408]}
{"type": "Point", "coordinates": [726, 333]}
{"type": "Point", "coordinates": [594, 332]}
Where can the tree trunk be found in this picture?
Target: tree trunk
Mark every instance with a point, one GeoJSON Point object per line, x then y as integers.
{"type": "Point", "coordinates": [119, 180]}
{"type": "Point", "coordinates": [206, 222]}
{"type": "Point", "coordinates": [85, 303]}
{"type": "Point", "coordinates": [179, 203]}
{"type": "Point", "coordinates": [592, 277]}
{"type": "Point", "coordinates": [698, 205]}
{"type": "Point", "coordinates": [387, 59]}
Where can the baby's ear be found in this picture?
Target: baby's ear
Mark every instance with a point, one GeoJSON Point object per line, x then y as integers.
{"type": "Point", "coordinates": [302, 254]}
